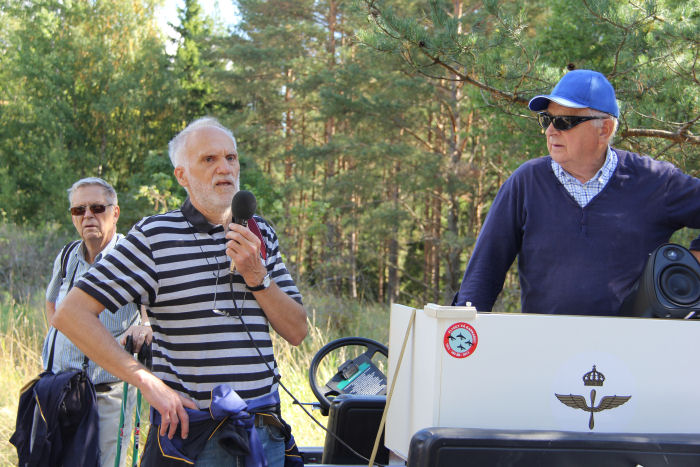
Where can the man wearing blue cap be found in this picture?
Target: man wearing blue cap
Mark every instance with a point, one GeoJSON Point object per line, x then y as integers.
{"type": "Point", "coordinates": [583, 219]}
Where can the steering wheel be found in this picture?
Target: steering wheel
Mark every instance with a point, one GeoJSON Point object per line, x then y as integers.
{"type": "Point", "coordinates": [330, 389]}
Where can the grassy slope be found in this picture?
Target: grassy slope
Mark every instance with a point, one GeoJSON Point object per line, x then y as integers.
{"type": "Point", "coordinates": [22, 330]}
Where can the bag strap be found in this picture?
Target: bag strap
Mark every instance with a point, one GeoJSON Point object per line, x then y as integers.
{"type": "Point", "coordinates": [65, 256]}
{"type": "Point", "coordinates": [49, 365]}
{"type": "Point", "coordinates": [53, 347]}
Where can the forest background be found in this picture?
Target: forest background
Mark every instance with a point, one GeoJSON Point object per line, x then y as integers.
{"type": "Point", "coordinates": [374, 133]}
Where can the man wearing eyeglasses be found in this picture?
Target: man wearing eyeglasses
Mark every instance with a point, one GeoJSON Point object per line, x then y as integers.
{"type": "Point", "coordinates": [582, 220]}
{"type": "Point", "coordinates": [95, 211]}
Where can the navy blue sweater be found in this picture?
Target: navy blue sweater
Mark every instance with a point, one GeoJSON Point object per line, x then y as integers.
{"type": "Point", "coordinates": [573, 260]}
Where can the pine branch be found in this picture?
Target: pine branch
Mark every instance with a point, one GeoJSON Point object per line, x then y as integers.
{"type": "Point", "coordinates": [677, 137]}
{"type": "Point", "coordinates": [681, 135]}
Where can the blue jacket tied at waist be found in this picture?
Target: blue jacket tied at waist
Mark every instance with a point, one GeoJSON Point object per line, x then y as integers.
{"type": "Point", "coordinates": [226, 405]}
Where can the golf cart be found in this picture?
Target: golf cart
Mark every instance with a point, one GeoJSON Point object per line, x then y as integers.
{"type": "Point", "coordinates": [467, 388]}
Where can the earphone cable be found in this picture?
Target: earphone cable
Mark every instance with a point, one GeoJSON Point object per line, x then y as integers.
{"type": "Point", "coordinates": [276, 377]}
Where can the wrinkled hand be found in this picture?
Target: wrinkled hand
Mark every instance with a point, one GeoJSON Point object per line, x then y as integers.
{"type": "Point", "coordinates": [243, 247]}
{"type": "Point", "coordinates": [170, 405]}
{"type": "Point", "coordinates": [139, 334]}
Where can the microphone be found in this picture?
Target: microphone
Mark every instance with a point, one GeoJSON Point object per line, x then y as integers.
{"type": "Point", "coordinates": [242, 208]}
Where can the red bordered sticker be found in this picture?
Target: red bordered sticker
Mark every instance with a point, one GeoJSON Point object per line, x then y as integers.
{"type": "Point", "coordinates": [461, 340]}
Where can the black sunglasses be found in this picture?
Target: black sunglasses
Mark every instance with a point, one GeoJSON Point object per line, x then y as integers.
{"type": "Point", "coordinates": [95, 208]}
{"type": "Point", "coordinates": [563, 122]}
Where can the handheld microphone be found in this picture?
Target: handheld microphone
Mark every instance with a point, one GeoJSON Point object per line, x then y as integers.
{"type": "Point", "coordinates": [242, 208]}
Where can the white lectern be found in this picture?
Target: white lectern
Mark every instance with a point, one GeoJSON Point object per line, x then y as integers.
{"type": "Point", "coordinates": [541, 372]}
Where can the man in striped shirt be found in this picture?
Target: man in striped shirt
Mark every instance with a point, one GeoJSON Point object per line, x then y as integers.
{"type": "Point", "coordinates": [210, 328]}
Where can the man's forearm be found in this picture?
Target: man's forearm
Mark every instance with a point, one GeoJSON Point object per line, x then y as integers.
{"type": "Point", "coordinates": [287, 317]}
{"type": "Point", "coordinates": [77, 317]}
{"type": "Point", "coordinates": [696, 253]}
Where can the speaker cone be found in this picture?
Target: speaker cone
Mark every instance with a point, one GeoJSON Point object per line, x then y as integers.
{"type": "Point", "coordinates": [669, 286]}
{"type": "Point", "coordinates": [680, 285]}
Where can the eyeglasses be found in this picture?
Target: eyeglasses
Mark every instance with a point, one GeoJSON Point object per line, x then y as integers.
{"type": "Point", "coordinates": [95, 208]}
{"type": "Point", "coordinates": [563, 122]}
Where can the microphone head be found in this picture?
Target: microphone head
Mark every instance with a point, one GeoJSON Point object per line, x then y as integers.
{"type": "Point", "coordinates": [243, 206]}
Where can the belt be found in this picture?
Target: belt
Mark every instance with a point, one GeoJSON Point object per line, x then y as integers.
{"type": "Point", "coordinates": [262, 419]}
{"type": "Point", "coordinates": [104, 387]}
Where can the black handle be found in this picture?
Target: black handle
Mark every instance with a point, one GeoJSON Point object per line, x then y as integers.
{"type": "Point", "coordinates": [129, 346]}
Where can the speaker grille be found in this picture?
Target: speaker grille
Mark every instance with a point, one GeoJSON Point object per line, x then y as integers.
{"type": "Point", "coordinates": [680, 285]}
{"type": "Point", "coordinates": [669, 286]}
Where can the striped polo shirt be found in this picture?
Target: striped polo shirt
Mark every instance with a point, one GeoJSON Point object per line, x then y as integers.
{"type": "Point", "coordinates": [176, 264]}
{"type": "Point", "coordinates": [66, 355]}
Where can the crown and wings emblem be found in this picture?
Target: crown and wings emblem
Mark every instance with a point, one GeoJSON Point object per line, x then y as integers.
{"type": "Point", "coordinates": [592, 378]}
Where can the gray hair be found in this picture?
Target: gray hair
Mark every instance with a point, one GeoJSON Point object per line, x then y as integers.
{"type": "Point", "coordinates": [177, 144]}
{"type": "Point", "coordinates": [110, 192]}
{"type": "Point", "coordinates": [599, 123]}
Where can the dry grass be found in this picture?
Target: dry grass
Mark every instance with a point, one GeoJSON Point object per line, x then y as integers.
{"type": "Point", "coordinates": [329, 318]}
{"type": "Point", "coordinates": [22, 331]}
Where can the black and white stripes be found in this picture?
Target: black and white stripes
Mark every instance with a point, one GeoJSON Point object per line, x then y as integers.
{"type": "Point", "coordinates": [170, 262]}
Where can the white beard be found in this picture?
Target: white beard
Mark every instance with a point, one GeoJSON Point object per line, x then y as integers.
{"type": "Point", "coordinates": [208, 197]}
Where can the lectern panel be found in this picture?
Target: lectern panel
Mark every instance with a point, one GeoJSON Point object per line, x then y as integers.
{"type": "Point", "coordinates": [541, 372]}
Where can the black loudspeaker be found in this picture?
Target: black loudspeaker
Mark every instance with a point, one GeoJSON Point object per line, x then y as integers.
{"type": "Point", "coordinates": [669, 287]}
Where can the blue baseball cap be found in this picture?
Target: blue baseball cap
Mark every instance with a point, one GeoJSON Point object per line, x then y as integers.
{"type": "Point", "coordinates": [579, 89]}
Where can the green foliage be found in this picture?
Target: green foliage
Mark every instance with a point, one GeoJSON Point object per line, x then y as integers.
{"type": "Point", "coordinates": [153, 189]}
{"type": "Point", "coordinates": [486, 59]}
{"type": "Point", "coordinates": [190, 65]}
{"type": "Point", "coordinates": [87, 95]}
{"type": "Point", "coordinates": [26, 258]}
{"type": "Point", "coordinates": [374, 133]}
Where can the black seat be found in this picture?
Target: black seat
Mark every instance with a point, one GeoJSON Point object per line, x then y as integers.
{"type": "Point", "coordinates": [354, 419]}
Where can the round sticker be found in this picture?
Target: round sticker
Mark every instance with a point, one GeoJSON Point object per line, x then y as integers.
{"type": "Point", "coordinates": [461, 340]}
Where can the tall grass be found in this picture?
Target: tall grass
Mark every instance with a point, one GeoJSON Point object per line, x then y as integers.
{"type": "Point", "coordinates": [22, 331]}
{"type": "Point", "coordinates": [329, 318]}
{"type": "Point", "coordinates": [26, 258]}
{"type": "Point", "coordinates": [23, 327]}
